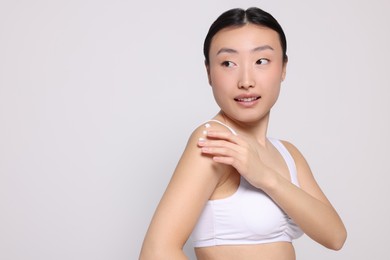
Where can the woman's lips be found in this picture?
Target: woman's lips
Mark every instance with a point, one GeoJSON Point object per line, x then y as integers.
{"type": "Point", "coordinates": [247, 99]}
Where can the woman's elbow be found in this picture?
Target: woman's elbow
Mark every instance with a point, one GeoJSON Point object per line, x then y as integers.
{"type": "Point", "coordinates": [338, 240]}
{"type": "Point", "coordinates": [150, 254]}
{"type": "Point", "coordinates": [160, 252]}
{"type": "Point", "coordinates": [149, 251]}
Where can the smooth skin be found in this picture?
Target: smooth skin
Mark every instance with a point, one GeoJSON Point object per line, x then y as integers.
{"type": "Point", "coordinates": [245, 72]}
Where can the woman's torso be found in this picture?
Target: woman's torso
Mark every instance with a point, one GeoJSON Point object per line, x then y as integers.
{"type": "Point", "coordinates": [275, 250]}
{"type": "Point", "coordinates": [271, 251]}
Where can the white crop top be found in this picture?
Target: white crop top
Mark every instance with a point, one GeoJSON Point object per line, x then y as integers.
{"type": "Point", "coordinates": [249, 216]}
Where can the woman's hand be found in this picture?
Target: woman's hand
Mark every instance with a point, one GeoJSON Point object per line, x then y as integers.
{"type": "Point", "coordinates": [238, 151]}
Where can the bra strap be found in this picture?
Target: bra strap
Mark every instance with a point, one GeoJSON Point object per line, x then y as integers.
{"type": "Point", "coordinates": [287, 158]}
{"type": "Point", "coordinates": [225, 125]}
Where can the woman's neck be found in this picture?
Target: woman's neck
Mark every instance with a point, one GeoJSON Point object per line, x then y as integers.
{"type": "Point", "coordinates": [257, 129]}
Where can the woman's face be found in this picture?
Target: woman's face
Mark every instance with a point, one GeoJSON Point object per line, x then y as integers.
{"type": "Point", "coordinates": [245, 71]}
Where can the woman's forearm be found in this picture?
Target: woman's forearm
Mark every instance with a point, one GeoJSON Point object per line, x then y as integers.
{"type": "Point", "coordinates": [317, 219]}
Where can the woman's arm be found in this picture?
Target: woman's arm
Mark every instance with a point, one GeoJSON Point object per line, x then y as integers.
{"type": "Point", "coordinates": [192, 184]}
{"type": "Point", "coordinates": [307, 205]}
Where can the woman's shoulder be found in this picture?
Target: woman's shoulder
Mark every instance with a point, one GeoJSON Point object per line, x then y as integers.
{"type": "Point", "coordinates": [212, 124]}
{"type": "Point", "coordinates": [304, 173]}
{"type": "Point", "coordinates": [193, 158]}
{"type": "Point", "coordinates": [293, 150]}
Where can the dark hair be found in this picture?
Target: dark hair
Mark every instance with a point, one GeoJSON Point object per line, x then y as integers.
{"type": "Point", "coordinates": [238, 17]}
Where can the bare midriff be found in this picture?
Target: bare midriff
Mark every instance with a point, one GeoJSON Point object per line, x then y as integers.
{"type": "Point", "coordinates": [269, 251]}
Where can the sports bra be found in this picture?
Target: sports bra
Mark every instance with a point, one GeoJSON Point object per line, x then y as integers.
{"type": "Point", "coordinates": [249, 216]}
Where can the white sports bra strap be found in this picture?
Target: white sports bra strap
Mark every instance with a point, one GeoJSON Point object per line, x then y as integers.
{"type": "Point", "coordinates": [225, 125]}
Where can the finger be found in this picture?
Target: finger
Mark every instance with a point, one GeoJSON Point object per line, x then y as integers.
{"type": "Point", "coordinates": [224, 160]}
{"type": "Point", "coordinates": [218, 151]}
{"type": "Point", "coordinates": [217, 143]}
{"type": "Point", "coordinates": [224, 135]}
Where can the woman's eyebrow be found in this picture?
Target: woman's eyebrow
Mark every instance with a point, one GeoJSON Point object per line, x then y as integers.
{"type": "Point", "coordinates": [262, 48]}
{"type": "Point", "coordinates": [257, 49]}
{"type": "Point", "coordinates": [226, 50]}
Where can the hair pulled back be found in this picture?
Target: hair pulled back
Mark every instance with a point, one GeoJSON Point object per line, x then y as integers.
{"type": "Point", "coordinates": [238, 17]}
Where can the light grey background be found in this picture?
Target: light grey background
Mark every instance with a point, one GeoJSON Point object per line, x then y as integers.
{"type": "Point", "coordinates": [98, 98]}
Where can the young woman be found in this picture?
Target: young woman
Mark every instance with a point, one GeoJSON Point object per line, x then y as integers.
{"type": "Point", "coordinates": [240, 193]}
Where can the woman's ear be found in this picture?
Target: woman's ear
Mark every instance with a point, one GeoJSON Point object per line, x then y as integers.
{"type": "Point", "coordinates": [208, 71]}
{"type": "Point", "coordinates": [284, 70]}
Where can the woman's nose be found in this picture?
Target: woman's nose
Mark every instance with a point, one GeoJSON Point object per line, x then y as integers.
{"type": "Point", "coordinates": [246, 79]}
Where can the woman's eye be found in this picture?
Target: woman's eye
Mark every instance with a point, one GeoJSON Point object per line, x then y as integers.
{"type": "Point", "coordinates": [262, 61]}
{"type": "Point", "coordinates": [227, 64]}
